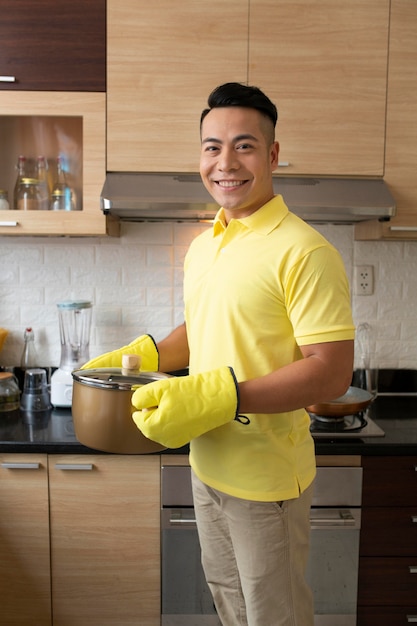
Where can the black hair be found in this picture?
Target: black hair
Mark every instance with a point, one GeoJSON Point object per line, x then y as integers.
{"type": "Point", "coordinates": [240, 95]}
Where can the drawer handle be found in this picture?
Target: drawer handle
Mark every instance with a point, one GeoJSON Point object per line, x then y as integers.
{"type": "Point", "coordinates": [411, 619]}
{"type": "Point", "coordinates": [77, 467]}
{"type": "Point", "coordinates": [7, 79]}
{"type": "Point", "coordinates": [9, 223]}
{"type": "Point", "coordinates": [412, 569]}
{"type": "Point", "coordinates": [414, 519]}
{"type": "Point", "coordinates": [284, 163]}
{"type": "Point", "coordinates": [411, 229]}
{"type": "Point", "coordinates": [21, 465]}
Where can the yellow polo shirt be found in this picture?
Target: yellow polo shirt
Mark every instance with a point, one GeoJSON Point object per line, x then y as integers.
{"type": "Point", "coordinates": [254, 291]}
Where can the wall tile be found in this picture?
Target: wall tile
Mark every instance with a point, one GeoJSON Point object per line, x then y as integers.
{"type": "Point", "coordinates": [135, 285]}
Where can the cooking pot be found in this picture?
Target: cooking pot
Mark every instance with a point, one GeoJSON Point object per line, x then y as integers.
{"type": "Point", "coordinates": [353, 401]}
{"type": "Point", "coordinates": [102, 410]}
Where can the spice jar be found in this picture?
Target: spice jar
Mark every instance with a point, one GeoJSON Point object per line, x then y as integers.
{"type": "Point", "coordinates": [4, 201]}
{"type": "Point", "coordinates": [28, 197]}
{"type": "Point", "coordinates": [9, 392]}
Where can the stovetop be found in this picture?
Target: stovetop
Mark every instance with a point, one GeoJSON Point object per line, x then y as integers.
{"type": "Point", "coordinates": [351, 426]}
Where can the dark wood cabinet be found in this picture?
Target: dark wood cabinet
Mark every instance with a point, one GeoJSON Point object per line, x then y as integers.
{"type": "Point", "coordinates": [53, 45]}
{"type": "Point", "coordinates": [387, 589]}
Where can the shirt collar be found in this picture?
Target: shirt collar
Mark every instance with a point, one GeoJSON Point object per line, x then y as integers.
{"type": "Point", "coordinates": [262, 221]}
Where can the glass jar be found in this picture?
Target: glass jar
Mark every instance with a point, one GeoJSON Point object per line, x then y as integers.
{"type": "Point", "coordinates": [58, 201]}
{"type": "Point", "coordinates": [28, 197]}
{"type": "Point", "coordinates": [9, 392]}
{"type": "Point", "coordinates": [4, 200]}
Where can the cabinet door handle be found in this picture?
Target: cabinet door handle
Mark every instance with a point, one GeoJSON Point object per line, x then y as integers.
{"type": "Point", "coordinates": [411, 619]}
{"type": "Point", "coordinates": [284, 163]}
{"type": "Point", "coordinates": [9, 223]}
{"type": "Point", "coordinates": [78, 467]}
{"type": "Point", "coordinates": [11, 465]}
{"type": "Point", "coordinates": [7, 79]}
{"type": "Point", "coordinates": [414, 519]}
{"type": "Point", "coordinates": [412, 569]}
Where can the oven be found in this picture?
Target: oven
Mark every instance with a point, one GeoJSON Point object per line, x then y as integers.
{"type": "Point", "coordinates": [334, 554]}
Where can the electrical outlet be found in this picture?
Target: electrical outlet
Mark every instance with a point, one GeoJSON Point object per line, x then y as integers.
{"type": "Point", "coordinates": [363, 280]}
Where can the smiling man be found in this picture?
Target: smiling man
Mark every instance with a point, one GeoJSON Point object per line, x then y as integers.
{"type": "Point", "coordinates": [268, 331]}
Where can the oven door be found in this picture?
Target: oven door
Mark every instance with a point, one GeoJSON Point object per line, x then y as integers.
{"type": "Point", "coordinates": [332, 570]}
{"type": "Point", "coordinates": [186, 598]}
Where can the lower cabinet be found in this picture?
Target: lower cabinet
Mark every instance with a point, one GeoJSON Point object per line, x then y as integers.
{"type": "Point", "coordinates": [25, 579]}
{"type": "Point", "coordinates": [387, 590]}
{"type": "Point", "coordinates": [82, 536]}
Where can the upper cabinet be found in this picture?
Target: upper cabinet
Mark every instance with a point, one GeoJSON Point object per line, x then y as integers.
{"type": "Point", "coordinates": [52, 123]}
{"type": "Point", "coordinates": [401, 140]}
{"type": "Point", "coordinates": [323, 62]}
{"type": "Point", "coordinates": [53, 45]}
{"type": "Point", "coordinates": [163, 59]}
{"type": "Point", "coordinates": [53, 103]}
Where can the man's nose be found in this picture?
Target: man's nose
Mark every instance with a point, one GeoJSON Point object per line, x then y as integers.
{"type": "Point", "coordinates": [228, 160]}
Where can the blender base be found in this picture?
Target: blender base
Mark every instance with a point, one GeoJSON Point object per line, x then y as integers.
{"type": "Point", "coordinates": [61, 388]}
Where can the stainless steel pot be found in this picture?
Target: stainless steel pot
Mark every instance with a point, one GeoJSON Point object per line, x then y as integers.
{"type": "Point", "coordinates": [102, 410]}
{"type": "Point", "coordinates": [352, 402]}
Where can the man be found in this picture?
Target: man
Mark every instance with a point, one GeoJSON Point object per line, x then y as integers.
{"type": "Point", "coordinates": [268, 331]}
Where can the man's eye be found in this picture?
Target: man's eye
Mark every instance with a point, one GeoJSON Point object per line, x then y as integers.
{"type": "Point", "coordinates": [244, 146]}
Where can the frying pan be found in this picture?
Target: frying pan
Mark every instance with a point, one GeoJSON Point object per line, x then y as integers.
{"type": "Point", "coordinates": [353, 401]}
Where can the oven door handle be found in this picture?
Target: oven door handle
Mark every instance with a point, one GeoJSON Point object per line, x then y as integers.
{"type": "Point", "coordinates": [341, 519]}
{"type": "Point", "coordinates": [181, 521]}
{"type": "Point", "coordinates": [325, 519]}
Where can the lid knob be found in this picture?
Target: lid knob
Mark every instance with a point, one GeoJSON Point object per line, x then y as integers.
{"type": "Point", "coordinates": [131, 362]}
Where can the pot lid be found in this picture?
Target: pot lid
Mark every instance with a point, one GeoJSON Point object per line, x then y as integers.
{"type": "Point", "coordinates": [116, 378]}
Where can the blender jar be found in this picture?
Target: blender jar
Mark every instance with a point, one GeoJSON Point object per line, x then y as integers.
{"type": "Point", "coordinates": [74, 327]}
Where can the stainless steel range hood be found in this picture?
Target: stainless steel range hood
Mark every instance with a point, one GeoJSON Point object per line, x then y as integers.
{"type": "Point", "coordinates": [140, 197]}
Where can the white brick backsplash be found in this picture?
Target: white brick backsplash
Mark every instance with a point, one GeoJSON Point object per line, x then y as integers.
{"type": "Point", "coordinates": [135, 285]}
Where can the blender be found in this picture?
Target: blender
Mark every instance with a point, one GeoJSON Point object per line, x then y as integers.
{"type": "Point", "coordinates": [74, 326]}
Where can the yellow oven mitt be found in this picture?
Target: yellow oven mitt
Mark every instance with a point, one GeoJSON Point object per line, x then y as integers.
{"type": "Point", "coordinates": [175, 410]}
{"type": "Point", "coordinates": [144, 346]}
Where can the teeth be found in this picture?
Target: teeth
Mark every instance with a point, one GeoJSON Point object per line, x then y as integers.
{"type": "Point", "coordinates": [230, 183]}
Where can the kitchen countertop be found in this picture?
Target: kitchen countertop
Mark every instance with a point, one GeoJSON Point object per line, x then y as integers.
{"type": "Point", "coordinates": [53, 432]}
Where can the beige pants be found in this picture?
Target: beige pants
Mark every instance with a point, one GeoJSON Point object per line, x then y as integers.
{"type": "Point", "coordinates": [254, 556]}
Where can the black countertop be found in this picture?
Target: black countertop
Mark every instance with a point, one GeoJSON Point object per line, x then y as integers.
{"type": "Point", "coordinates": [53, 432]}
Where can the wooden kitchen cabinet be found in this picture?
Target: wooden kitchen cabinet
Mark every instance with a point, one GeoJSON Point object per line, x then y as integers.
{"type": "Point", "coordinates": [25, 583]}
{"type": "Point", "coordinates": [388, 546]}
{"type": "Point", "coordinates": [53, 45]}
{"type": "Point", "coordinates": [105, 538]}
{"type": "Point", "coordinates": [324, 64]}
{"type": "Point", "coordinates": [401, 132]}
{"type": "Point", "coordinates": [50, 123]}
{"type": "Point", "coordinates": [80, 540]}
{"type": "Point", "coordinates": [163, 60]}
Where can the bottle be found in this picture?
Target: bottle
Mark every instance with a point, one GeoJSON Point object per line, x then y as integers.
{"type": "Point", "coordinates": [29, 356]}
{"type": "Point", "coordinates": [4, 202]}
{"type": "Point", "coordinates": [43, 182]}
{"type": "Point", "coordinates": [21, 173]}
{"type": "Point", "coordinates": [62, 194]}
{"type": "Point", "coordinates": [28, 196]}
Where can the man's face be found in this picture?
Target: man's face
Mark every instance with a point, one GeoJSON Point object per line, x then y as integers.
{"type": "Point", "coordinates": [237, 159]}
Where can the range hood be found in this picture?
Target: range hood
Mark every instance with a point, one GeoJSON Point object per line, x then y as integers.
{"type": "Point", "coordinates": [143, 197]}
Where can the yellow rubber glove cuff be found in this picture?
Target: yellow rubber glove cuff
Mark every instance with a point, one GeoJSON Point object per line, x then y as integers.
{"type": "Point", "coordinates": [144, 346]}
{"type": "Point", "coordinates": [177, 410]}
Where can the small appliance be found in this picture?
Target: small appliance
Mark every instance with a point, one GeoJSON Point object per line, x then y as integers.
{"type": "Point", "coordinates": [74, 327]}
